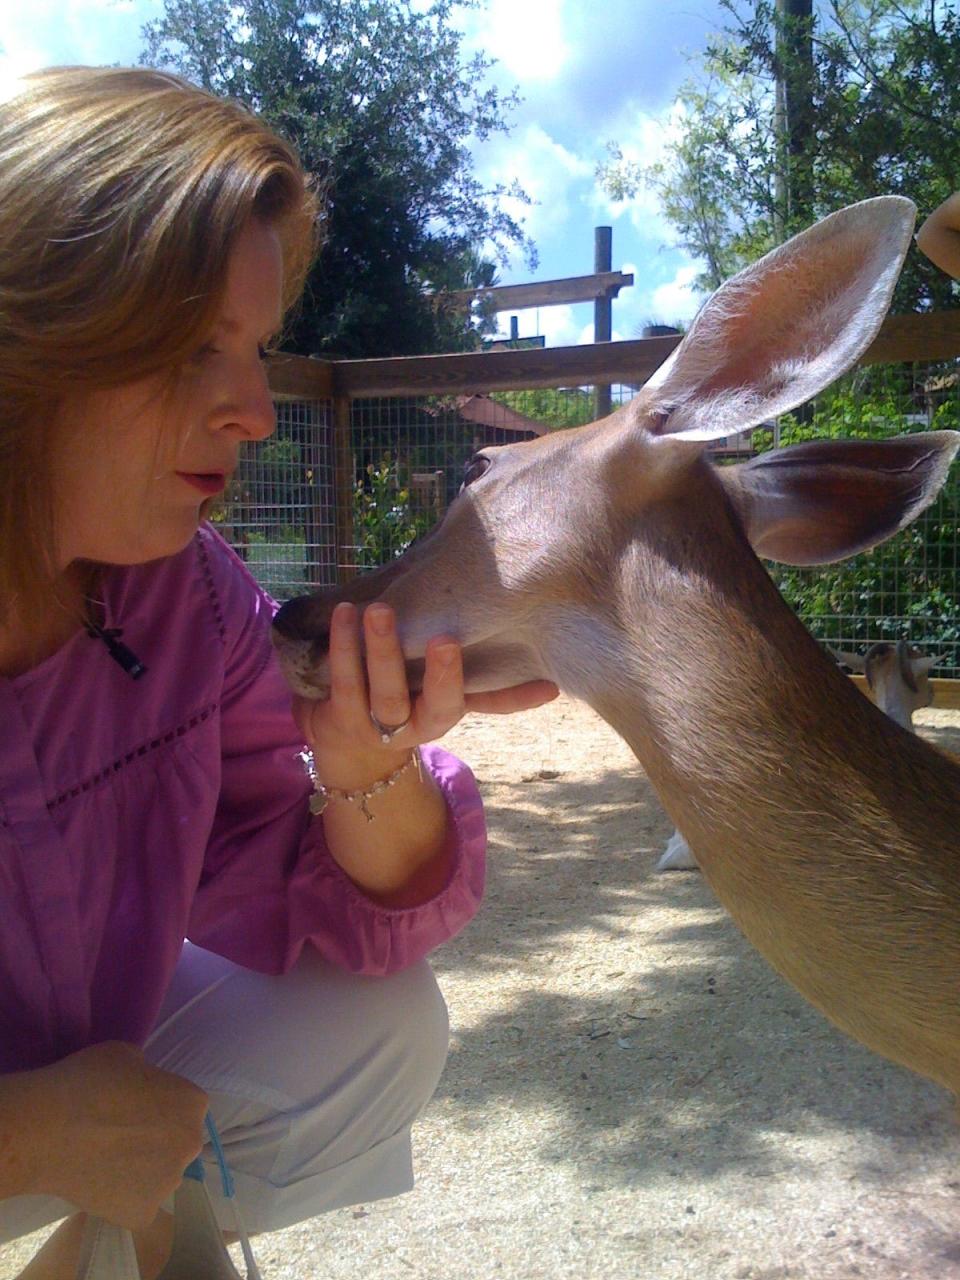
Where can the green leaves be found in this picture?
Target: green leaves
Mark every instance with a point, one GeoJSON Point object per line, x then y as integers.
{"type": "Point", "coordinates": [384, 523]}
{"type": "Point", "coordinates": [381, 103]}
{"type": "Point", "coordinates": [881, 83]}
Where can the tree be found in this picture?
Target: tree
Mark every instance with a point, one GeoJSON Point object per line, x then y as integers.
{"type": "Point", "coordinates": [793, 109]}
{"type": "Point", "coordinates": [884, 97]}
{"type": "Point", "coordinates": [555, 408]}
{"type": "Point", "coordinates": [381, 103]}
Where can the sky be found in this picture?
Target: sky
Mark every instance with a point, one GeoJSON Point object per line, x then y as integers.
{"type": "Point", "coordinates": [589, 72]}
{"type": "Point", "coordinates": [592, 72]}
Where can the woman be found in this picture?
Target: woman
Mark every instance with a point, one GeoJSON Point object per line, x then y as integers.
{"type": "Point", "coordinates": [939, 236]}
{"type": "Point", "coordinates": [152, 238]}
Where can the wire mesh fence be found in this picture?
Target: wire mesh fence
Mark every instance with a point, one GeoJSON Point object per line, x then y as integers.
{"type": "Point", "coordinates": [279, 512]}
{"type": "Point", "coordinates": [908, 586]}
{"type": "Point", "coordinates": [309, 508]}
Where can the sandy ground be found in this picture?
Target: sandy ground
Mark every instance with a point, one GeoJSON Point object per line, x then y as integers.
{"type": "Point", "coordinates": [630, 1091]}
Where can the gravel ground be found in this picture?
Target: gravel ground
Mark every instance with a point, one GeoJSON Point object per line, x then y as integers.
{"type": "Point", "coordinates": [630, 1091]}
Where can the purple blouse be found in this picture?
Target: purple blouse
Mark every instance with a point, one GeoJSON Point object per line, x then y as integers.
{"type": "Point", "coordinates": [135, 813]}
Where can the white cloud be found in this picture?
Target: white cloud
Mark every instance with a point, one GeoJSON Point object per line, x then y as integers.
{"type": "Point", "coordinates": [56, 32]}
{"type": "Point", "coordinates": [677, 300]}
{"type": "Point", "coordinates": [549, 172]}
{"type": "Point", "coordinates": [526, 37]}
{"type": "Point", "coordinates": [655, 300]}
{"type": "Point", "coordinates": [561, 326]}
{"type": "Point", "coordinates": [643, 139]}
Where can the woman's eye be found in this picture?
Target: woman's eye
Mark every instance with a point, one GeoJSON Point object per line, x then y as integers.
{"type": "Point", "coordinates": [204, 353]}
{"type": "Point", "coordinates": [475, 469]}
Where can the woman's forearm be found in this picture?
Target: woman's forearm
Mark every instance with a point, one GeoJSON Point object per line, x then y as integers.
{"type": "Point", "coordinates": [20, 1117]}
{"type": "Point", "coordinates": [939, 237]}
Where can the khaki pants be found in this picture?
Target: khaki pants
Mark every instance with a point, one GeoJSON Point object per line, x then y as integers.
{"type": "Point", "coordinates": [314, 1080]}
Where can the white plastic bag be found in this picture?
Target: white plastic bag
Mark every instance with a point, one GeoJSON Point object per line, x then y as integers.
{"type": "Point", "coordinates": [107, 1252]}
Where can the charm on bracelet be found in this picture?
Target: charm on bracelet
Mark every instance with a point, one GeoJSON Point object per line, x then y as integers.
{"type": "Point", "coordinates": [323, 795]}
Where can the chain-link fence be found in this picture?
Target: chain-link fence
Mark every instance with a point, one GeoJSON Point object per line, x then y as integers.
{"type": "Point", "coordinates": [317, 503]}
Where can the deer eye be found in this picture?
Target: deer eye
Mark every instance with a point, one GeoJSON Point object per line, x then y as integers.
{"type": "Point", "coordinates": [474, 469]}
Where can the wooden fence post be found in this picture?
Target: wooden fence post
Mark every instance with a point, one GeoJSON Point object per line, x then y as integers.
{"type": "Point", "coordinates": [344, 481]}
{"type": "Point", "coordinates": [602, 307]}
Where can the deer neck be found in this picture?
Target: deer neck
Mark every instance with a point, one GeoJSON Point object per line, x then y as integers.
{"type": "Point", "coordinates": [741, 722]}
{"type": "Point", "coordinates": [827, 831]}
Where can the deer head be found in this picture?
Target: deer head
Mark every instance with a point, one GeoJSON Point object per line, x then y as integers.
{"type": "Point", "coordinates": [616, 561]}
{"type": "Point", "coordinates": [898, 677]}
{"type": "Point", "coordinates": [529, 567]}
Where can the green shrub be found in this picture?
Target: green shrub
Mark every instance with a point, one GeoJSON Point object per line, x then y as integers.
{"type": "Point", "coordinates": [384, 522]}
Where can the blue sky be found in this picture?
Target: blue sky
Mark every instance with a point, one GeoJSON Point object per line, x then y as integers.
{"type": "Point", "coordinates": [592, 72]}
{"type": "Point", "coordinates": [589, 71]}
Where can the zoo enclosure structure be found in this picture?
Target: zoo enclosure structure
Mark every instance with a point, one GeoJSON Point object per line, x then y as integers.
{"type": "Point", "coordinates": [369, 454]}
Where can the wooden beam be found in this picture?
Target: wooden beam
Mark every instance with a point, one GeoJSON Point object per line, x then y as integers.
{"type": "Point", "coordinates": [300, 377]}
{"type": "Point", "coordinates": [545, 293]}
{"type": "Point", "coordinates": [946, 693]}
{"type": "Point", "coordinates": [344, 479]}
{"type": "Point", "coordinates": [632, 362]}
{"type": "Point", "coordinates": [602, 313]}
{"type": "Point", "coordinates": [932, 335]}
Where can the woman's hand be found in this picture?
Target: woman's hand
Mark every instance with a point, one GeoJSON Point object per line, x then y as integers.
{"type": "Point", "coordinates": [404, 856]}
{"type": "Point", "coordinates": [347, 745]}
{"type": "Point", "coordinates": [101, 1128]}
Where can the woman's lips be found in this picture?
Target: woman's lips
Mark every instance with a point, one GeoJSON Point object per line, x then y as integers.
{"type": "Point", "coordinates": [208, 482]}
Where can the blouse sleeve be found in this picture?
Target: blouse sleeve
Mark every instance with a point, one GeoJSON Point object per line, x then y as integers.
{"type": "Point", "coordinates": [269, 883]}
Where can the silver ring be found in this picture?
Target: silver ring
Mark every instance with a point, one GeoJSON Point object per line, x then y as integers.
{"type": "Point", "coordinates": [388, 732]}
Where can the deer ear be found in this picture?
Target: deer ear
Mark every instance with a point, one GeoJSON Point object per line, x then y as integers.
{"type": "Point", "coordinates": [844, 658]}
{"type": "Point", "coordinates": [923, 666]}
{"type": "Point", "coordinates": [784, 328]}
{"type": "Point", "coordinates": [828, 499]}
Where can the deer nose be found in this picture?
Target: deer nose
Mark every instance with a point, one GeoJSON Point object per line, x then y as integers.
{"type": "Point", "coordinates": [304, 619]}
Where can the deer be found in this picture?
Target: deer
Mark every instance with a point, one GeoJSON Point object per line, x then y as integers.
{"type": "Point", "coordinates": [615, 560]}
{"type": "Point", "coordinates": [898, 678]}
{"type": "Point", "coordinates": [897, 675]}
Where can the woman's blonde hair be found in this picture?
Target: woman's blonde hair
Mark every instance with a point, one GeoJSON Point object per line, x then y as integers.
{"type": "Point", "coordinates": [122, 193]}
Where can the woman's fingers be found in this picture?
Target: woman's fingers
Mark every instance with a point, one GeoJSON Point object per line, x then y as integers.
{"type": "Point", "coordinates": [441, 704]}
{"type": "Point", "coordinates": [521, 697]}
{"type": "Point", "coordinates": [386, 669]}
{"type": "Point", "coordinates": [348, 684]}
{"type": "Point", "coordinates": [368, 683]}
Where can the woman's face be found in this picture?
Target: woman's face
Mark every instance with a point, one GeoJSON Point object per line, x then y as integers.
{"type": "Point", "coordinates": [137, 468]}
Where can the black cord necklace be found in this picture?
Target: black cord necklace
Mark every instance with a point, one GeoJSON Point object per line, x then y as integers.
{"type": "Point", "coordinates": [118, 651]}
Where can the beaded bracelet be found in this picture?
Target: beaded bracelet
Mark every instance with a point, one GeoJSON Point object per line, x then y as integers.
{"type": "Point", "coordinates": [323, 795]}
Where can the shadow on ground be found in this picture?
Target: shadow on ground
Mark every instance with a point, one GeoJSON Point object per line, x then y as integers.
{"type": "Point", "coordinates": [649, 1039]}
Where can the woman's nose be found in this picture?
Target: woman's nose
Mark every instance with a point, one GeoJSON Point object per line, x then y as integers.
{"type": "Point", "coordinates": [250, 411]}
